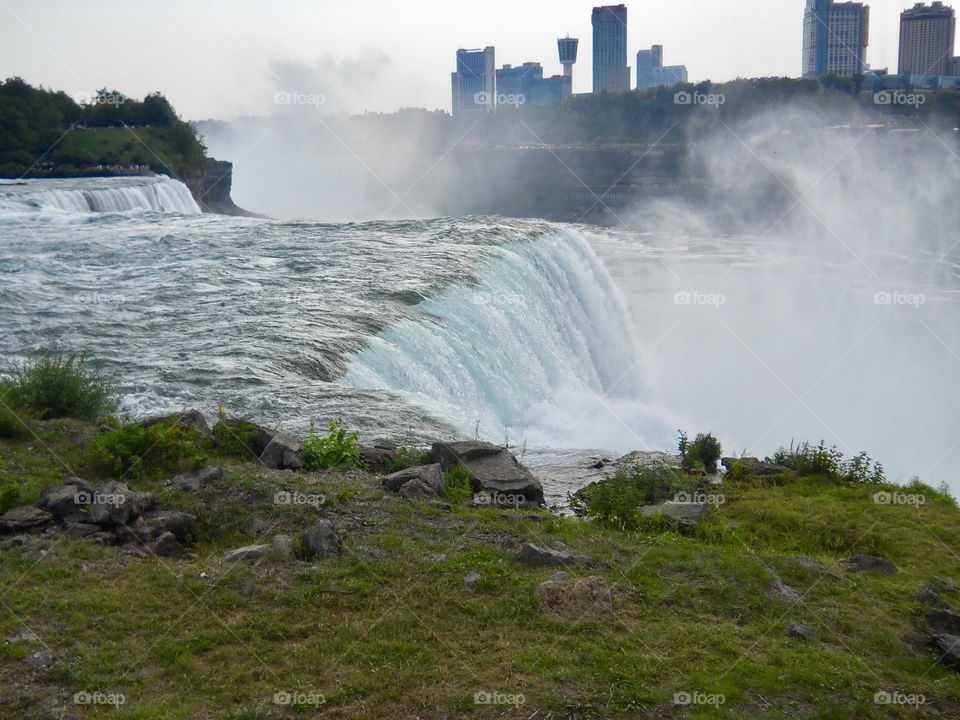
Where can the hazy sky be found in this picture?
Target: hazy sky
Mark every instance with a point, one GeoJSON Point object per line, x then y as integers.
{"type": "Point", "coordinates": [225, 58]}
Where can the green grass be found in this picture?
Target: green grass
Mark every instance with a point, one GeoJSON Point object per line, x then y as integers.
{"type": "Point", "coordinates": [51, 385]}
{"type": "Point", "coordinates": [388, 629]}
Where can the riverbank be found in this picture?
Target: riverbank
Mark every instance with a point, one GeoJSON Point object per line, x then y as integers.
{"type": "Point", "coordinates": [236, 590]}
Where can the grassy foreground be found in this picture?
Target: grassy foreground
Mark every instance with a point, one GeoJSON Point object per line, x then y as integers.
{"type": "Point", "coordinates": [389, 629]}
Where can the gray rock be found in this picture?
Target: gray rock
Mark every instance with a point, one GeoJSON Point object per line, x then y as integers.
{"type": "Point", "coordinates": [493, 468]}
{"type": "Point", "coordinates": [40, 659]}
{"type": "Point", "coordinates": [944, 621]}
{"type": "Point", "coordinates": [188, 420]}
{"type": "Point", "coordinates": [378, 458]}
{"type": "Point", "coordinates": [429, 476]}
{"type": "Point", "coordinates": [868, 563]}
{"type": "Point", "coordinates": [26, 636]}
{"type": "Point", "coordinates": [801, 631]}
{"type": "Point", "coordinates": [682, 515]}
{"type": "Point", "coordinates": [755, 467]}
{"type": "Point", "coordinates": [786, 592]}
{"type": "Point", "coordinates": [416, 490]}
{"type": "Point", "coordinates": [916, 643]}
{"type": "Point", "coordinates": [181, 524]}
{"type": "Point", "coordinates": [116, 504]}
{"type": "Point", "coordinates": [930, 595]}
{"type": "Point", "coordinates": [471, 579]}
{"type": "Point", "coordinates": [283, 453]}
{"type": "Point", "coordinates": [947, 648]}
{"type": "Point", "coordinates": [261, 436]}
{"type": "Point", "coordinates": [80, 529]}
{"type": "Point", "coordinates": [167, 546]}
{"type": "Point", "coordinates": [945, 585]}
{"type": "Point", "coordinates": [81, 484]}
{"type": "Point", "coordinates": [321, 540]}
{"type": "Point", "coordinates": [575, 599]}
{"type": "Point", "coordinates": [192, 480]}
{"type": "Point", "coordinates": [22, 519]}
{"type": "Point", "coordinates": [281, 547]}
{"type": "Point", "coordinates": [538, 556]}
{"type": "Point", "coordinates": [249, 553]}
{"type": "Point", "coordinates": [61, 500]}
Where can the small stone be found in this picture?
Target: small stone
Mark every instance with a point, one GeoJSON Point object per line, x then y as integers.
{"type": "Point", "coordinates": [167, 546]}
{"type": "Point", "coordinates": [40, 659]}
{"type": "Point", "coordinates": [471, 579]}
{"type": "Point", "coordinates": [321, 541]}
{"type": "Point", "coordinates": [575, 599]}
{"type": "Point", "coordinates": [193, 480]}
{"type": "Point", "coordinates": [249, 553]}
{"type": "Point", "coordinates": [786, 592]}
{"type": "Point", "coordinates": [27, 636]}
{"type": "Point", "coordinates": [537, 556]}
{"type": "Point", "coordinates": [281, 547]}
{"type": "Point", "coordinates": [21, 519]}
{"type": "Point", "coordinates": [800, 631]}
{"type": "Point", "coordinates": [868, 563]}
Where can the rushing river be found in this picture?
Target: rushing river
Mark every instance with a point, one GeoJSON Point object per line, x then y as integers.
{"type": "Point", "coordinates": [566, 341]}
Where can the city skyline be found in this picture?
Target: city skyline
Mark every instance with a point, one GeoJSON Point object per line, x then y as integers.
{"type": "Point", "coordinates": [220, 60]}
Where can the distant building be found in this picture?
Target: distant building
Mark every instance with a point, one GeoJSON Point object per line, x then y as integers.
{"type": "Point", "coordinates": [610, 70]}
{"type": "Point", "coordinates": [568, 54]}
{"type": "Point", "coordinates": [926, 40]}
{"type": "Point", "coordinates": [526, 85]}
{"type": "Point", "coordinates": [835, 38]}
{"type": "Point", "coordinates": [651, 72]}
{"type": "Point", "coordinates": [474, 82]}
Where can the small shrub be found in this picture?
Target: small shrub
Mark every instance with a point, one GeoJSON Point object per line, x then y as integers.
{"type": "Point", "coordinates": [139, 452]}
{"type": "Point", "coordinates": [9, 493]}
{"type": "Point", "coordinates": [615, 501]}
{"type": "Point", "coordinates": [13, 423]}
{"type": "Point", "coordinates": [458, 484]}
{"type": "Point", "coordinates": [336, 450]}
{"type": "Point", "coordinates": [704, 449]}
{"type": "Point", "coordinates": [807, 459]}
{"type": "Point", "coordinates": [54, 386]}
{"type": "Point", "coordinates": [408, 458]}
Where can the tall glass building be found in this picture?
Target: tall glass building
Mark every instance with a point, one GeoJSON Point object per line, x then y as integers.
{"type": "Point", "coordinates": [474, 84]}
{"type": "Point", "coordinates": [610, 70]}
{"type": "Point", "coordinates": [835, 38]}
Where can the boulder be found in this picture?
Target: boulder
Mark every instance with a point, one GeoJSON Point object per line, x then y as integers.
{"type": "Point", "coordinates": [281, 547]}
{"type": "Point", "coordinates": [249, 553]}
{"type": "Point", "coordinates": [575, 599]}
{"type": "Point", "coordinates": [800, 631]}
{"type": "Point", "coordinates": [419, 482]}
{"type": "Point", "coordinates": [538, 556]}
{"type": "Point", "coordinates": [260, 436]}
{"type": "Point", "coordinates": [321, 541]}
{"type": "Point", "coordinates": [22, 519]}
{"type": "Point", "coordinates": [192, 480]}
{"type": "Point", "coordinates": [180, 524]}
{"type": "Point", "coordinates": [680, 514]}
{"type": "Point", "coordinates": [930, 595]}
{"type": "Point", "coordinates": [166, 545]}
{"type": "Point", "coordinates": [378, 458]}
{"type": "Point", "coordinates": [113, 503]}
{"type": "Point", "coordinates": [755, 467]}
{"type": "Point", "coordinates": [947, 648]}
{"type": "Point", "coordinates": [80, 529]}
{"type": "Point", "coordinates": [188, 420]}
{"type": "Point", "coordinates": [944, 621]}
{"type": "Point", "coordinates": [283, 453]}
{"type": "Point", "coordinates": [493, 468]}
{"type": "Point", "coordinates": [868, 563]}
{"type": "Point", "coordinates": [62, 500]}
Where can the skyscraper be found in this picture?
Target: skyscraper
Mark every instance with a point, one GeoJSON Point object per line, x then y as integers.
{"type": "Point", "coordinates": [474, 82]}
{"type": "Point", "coordinates": [835, 38]}
{"type": "Point", "coordinates": [610, 70]}
{"type": "Point", "coordinates": [926, 40]}
{"type": "Point", "coordinates": [651, 72]}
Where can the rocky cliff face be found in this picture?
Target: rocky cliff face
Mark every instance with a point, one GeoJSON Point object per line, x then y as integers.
{"type": "Point", "coordinates": [211, 186]}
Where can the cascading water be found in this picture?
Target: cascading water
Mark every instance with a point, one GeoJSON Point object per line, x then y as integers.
{"type": "Point", "coordinates": [537, 350]}
{"type": "Point", "coordinates": [75, 201]}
